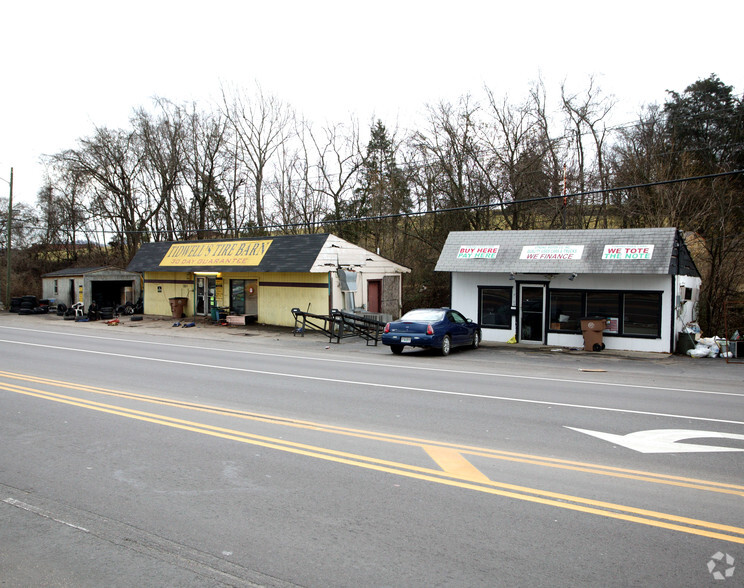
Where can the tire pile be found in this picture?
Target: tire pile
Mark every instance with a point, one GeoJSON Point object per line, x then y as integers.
{"type": "Point", "coordinates": [29, 305]}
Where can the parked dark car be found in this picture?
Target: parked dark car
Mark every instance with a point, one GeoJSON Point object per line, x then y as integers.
{"type": "Point", "coordinates": [436, 328]}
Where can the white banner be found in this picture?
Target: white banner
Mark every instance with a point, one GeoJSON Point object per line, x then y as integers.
{"type": "Point", "coordinates": [552, 252]}
{"type": "Point", "coordinates": [628, 252]}
{"type": "Point", "coordinates": [477, 252]}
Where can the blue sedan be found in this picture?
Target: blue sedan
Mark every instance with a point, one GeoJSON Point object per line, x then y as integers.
{"type": "Point", "coordinates": [435, 328]}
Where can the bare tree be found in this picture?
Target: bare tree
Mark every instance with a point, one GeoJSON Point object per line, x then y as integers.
{"type": "Point", "coordinates": [586, 115]}
{"type": "Point", "coordinates": [161, 139]}
{"type": "Point", "coordinates": [261, 126]}
{"type": "Point", "coordinates": [516, 162]}
{"type": "Point", "coordinates": [111, 161]}
{"type": "Point", "coordinates": [63, 208]}
{"type": "Point", "coordinates": [337, 157]}
{"type": "Point", "coordinates": [206, 162]}
{"type": "Point", "coordinates": [450, 147]}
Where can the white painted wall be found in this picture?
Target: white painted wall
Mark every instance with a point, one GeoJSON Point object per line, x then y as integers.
{"type": "Point", "coordinates": [65, 292]}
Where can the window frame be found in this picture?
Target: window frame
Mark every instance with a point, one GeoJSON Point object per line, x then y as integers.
{"type": "Point", "coordinates": [509, 322]}
{"type": "Point", "coordinates": [234, 282]}
{"type": "Point", "coordinates": [621, 315]}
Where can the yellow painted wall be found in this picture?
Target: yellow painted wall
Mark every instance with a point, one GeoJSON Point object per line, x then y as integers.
{"type": "Point", "coordinates": [160, 286]}
{"type": "Point", "coordinates": [275, 301]}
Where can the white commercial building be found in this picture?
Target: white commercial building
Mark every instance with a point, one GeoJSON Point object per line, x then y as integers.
{"type": "Point", "coordinates": [537, 286]}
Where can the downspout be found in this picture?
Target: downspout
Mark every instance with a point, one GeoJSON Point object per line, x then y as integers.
{"type": "Point", "coordinates": [675, 289]}
{"type": "Point", "coordinates": [330, 292]}
{"type": "Point", "coordinates": [673, 317]}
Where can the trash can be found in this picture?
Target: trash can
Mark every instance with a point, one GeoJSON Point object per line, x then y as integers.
{"type": "Point", "coordinates": [685, 342]}
{"type": "Point", "coordinates": [592, 327]}
{"type": "Point", "coordinates": [177, 306]}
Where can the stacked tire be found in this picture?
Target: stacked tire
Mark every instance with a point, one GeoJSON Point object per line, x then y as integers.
{"type": "Point", "coordinates": [107, 313]}
{"type": "Point", "coordinates": [15, 304]}
{"type": "Point", "coordinates": [28, 304]}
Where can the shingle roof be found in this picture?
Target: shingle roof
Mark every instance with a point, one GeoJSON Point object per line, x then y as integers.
{"type": "Point", "coordinates": [78, 271]}
{"type": "Point", "coordinates": [585, 252]}
{"type": "Point", "coordinates": [286, 253]}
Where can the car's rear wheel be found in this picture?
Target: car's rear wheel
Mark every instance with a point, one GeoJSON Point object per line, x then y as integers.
{"type": "Point", "coordinates": [476, 340]}
{"type": "Point", "coordinates": [397, 349]}
{"type": "Point", "coordinates": [446, 345]}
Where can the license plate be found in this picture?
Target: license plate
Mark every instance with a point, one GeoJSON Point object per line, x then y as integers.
{"type": "Point", "coordinates": [405, 339]}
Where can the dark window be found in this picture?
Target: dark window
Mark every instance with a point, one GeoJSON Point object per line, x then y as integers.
{"type": "Point", "coordinates": [495, 307]}
{"type": "Point", "coordinates": [642, 314]}
{"type": "Point", "coordinates": [237, 296]}
{"type": "Point", "coordinates": [604, 304]}
{"type": "Point", "coordinates": [636, 314]}
{"type": "Point", "coordinates": [566, 310]}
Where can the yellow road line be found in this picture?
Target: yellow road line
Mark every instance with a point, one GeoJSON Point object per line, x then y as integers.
{"type": "Point", "coordinates": [598, 469]}
{"type": "Point", "coordinates": [452, 462]}
{"type": "Point", "coordinates": [616, 511]}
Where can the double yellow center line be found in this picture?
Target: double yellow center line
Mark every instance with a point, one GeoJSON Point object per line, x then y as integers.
{"type": "Point", "coordinates": [454, 467]}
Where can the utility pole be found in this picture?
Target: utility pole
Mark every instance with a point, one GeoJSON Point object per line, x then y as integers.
{"type": "Point", "coordinates": [7, 242]}
{"type": "Point", "coordinates": [565, 199]}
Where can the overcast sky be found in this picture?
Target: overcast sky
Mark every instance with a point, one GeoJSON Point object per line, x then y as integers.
{"type": "Point", "coordinates": [70, 66]}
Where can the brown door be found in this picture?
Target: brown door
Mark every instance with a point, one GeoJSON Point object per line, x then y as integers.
{"type": "Point", "coordinates": [374, 295]}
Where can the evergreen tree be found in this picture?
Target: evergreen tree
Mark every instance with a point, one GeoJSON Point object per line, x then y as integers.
{"type": "Point", "coordinates": [383, 190]}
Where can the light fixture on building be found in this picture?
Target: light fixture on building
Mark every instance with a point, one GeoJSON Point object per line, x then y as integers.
{"type": "Point", "coordinates": [573, 276]}
{"type": "Point", "coordinates": [511, 275]}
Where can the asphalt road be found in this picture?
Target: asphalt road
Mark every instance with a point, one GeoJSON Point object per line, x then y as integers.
{"type": "Point", "coordinates": [149, 455]}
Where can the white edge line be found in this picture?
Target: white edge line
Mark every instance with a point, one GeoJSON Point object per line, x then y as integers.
{"type": "Point", "coordinates": [346, 361]}
{"type": "Point", "coordinates": [40, 512]}
{"type": "Point", "coordinates": [377, 385]}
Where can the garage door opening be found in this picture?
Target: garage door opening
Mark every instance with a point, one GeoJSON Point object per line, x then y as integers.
{"type": "Point", "coordinates": [112, 293]}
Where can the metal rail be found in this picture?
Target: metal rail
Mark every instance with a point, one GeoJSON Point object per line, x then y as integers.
{"type": "Point", "coordinates": [338, 325]}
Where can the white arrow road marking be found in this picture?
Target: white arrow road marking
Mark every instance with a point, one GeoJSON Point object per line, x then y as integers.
{"type": "Point", "coordinates": [664, 440]}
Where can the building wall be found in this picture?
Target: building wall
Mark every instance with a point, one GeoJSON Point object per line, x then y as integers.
{"type": "Point", "coordinates": [686, 311]}
{"type": "Point", "coordinates": [278, 293]}
{"type": "Point", "coordinates": [465, 299]}
{"type": "Point", "coordinates": [160, 286]}
{"type": "Point", "coordinates": [392, 293]}
{"type": "Point", "coordinates": [65, 293]}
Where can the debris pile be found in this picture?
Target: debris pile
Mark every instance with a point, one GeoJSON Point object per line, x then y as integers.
{"type": "Point", "coordinates": [711, 346]}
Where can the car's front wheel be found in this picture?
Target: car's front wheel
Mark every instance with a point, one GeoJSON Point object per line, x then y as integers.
{"type": "Point", "coordinates": [476, 340]}
{"type": "Point", "coordinates": [397, 349]}
{"type": "Point", "coordinates": [446, 345]}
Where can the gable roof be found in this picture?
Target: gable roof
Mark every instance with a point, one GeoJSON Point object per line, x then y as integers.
{"type": "Point", "coordinates": [579, 251]}
{"type": "Point", "coordinates": [314, 253]}
{"type": "Point", "coordinates": [80, 271]}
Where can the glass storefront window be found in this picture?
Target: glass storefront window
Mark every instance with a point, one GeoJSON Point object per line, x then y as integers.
{"type": "Point", "coordinates": [495, 307]}
{"type": "Point", "coordinates": [642, 314]}
{"type": "Point", "coordinates": [566, 310]}
{"type": "Point", "coordinates": [604, 304]}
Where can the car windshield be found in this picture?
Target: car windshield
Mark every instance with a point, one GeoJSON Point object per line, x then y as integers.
{"type": "Point", "coordinates": [423, 314]}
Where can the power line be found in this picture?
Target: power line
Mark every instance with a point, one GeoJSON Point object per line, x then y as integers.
{"type": "Point", "coordinates": [414, 214]}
